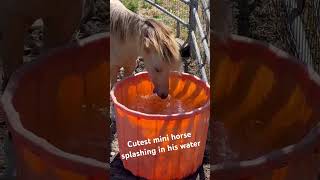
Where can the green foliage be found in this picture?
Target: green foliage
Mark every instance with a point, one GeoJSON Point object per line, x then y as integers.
{"type": "Point", "coordinates": [133, 5]}
{"type": "Point", "coordinates": [157, 16]}
{"type": "Point", "coordinates": [160, 2]}
{"type": "Point", "coordinates": [146, 5]}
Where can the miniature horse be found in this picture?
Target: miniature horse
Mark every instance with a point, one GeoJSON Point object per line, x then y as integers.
{"type": "Point", "coordinates": [133, 35]}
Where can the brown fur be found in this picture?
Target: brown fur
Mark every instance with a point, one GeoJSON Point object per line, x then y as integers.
{"type": "Point", "coordinates": [162, 40]}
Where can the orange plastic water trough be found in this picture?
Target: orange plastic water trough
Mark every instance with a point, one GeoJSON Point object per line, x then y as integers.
{"type": "Point", "coordinates": [137, 125]}
{"type": "Point", "coordinates": [269, 103]}
{"type": "Point", "coordinates": [52, 107]}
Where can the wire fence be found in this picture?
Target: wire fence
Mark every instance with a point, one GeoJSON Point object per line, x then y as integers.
{"type": "Point", "coordinates": [178, 13]}
{"type": "Point", "coordinates": [302, 17]}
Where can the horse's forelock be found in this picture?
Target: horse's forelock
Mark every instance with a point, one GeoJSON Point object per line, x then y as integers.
{"type": "Point", "coordinates": [163, 41]}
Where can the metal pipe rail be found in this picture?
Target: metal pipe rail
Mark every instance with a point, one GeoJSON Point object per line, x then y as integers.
{"type": "Point", "coordinates": [198, 55]}
{"type": "Point", "coordinates": [185, 1]}
{"type": "Point", "coordinates": [206, 9]}
{"type": "Point", "coordinates": [202, 35]}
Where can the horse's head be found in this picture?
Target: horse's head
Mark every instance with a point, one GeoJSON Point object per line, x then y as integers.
{"type": "Point", "coordinates": [161, 55]}
{"type": "Point", "coordinates": [159, 72]}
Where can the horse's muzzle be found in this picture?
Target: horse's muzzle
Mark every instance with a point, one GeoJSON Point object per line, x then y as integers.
{"type": "Point", "coordinates": [161, 95]}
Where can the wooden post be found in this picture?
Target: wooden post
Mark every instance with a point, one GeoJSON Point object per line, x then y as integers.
{"type": "Point", "coordinates": [192, 25]}
{"type": "Point", "coordinates": [178, 30]}
{"type": "Point", "coordinates": [243, 20]}
{"type": "Point", "coordinates": [222, 18]}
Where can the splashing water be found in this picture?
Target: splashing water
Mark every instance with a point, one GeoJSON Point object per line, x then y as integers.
{"type": "Point", "coordinates": [153, 104]}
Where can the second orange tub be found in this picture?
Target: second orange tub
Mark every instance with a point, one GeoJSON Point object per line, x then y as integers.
{"type": "Point", "coordinates": [52, 106]}
{"type": "Point", "coordinates": [151, 143]}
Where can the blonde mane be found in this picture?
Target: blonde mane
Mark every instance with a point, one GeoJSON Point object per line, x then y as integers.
{"type": "Point", "coordinates": [126, 25]}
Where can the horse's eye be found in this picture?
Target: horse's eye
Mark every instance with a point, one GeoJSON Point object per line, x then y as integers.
{"type": "Point", "coordinates": [157, 69]}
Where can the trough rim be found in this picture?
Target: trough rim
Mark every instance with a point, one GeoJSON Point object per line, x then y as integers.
{"type": "Point", "coordinates": [166, 117]}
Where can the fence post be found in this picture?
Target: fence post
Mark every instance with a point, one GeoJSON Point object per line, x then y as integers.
{"type": "Point", "coordinates": [192, 25]}
{"type": "Point", "coordinates": [243, 19]}
{"type": "Point", "coordinates": [178, 30]}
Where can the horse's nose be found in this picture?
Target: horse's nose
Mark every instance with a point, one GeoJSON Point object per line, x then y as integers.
{"type": "Point", "coordinates": [163, 96]}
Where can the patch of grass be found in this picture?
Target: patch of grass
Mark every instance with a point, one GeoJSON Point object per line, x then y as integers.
{"type": "Point", "coordinates": [146, 5]}
{"type": "Point", "coordinates": [133, 5]}
{"type": "Point", "coordinates": [160, 2]}
{"type": "Point", "coordinates": [175, 6]}
{"type": "Point", "coordinates": [158, 17]}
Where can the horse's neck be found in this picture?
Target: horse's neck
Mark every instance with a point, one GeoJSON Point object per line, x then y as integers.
{"type": "Point", "coordinates": [124, 52]}
{"type": "Point", "coordinates": [126, 34]}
